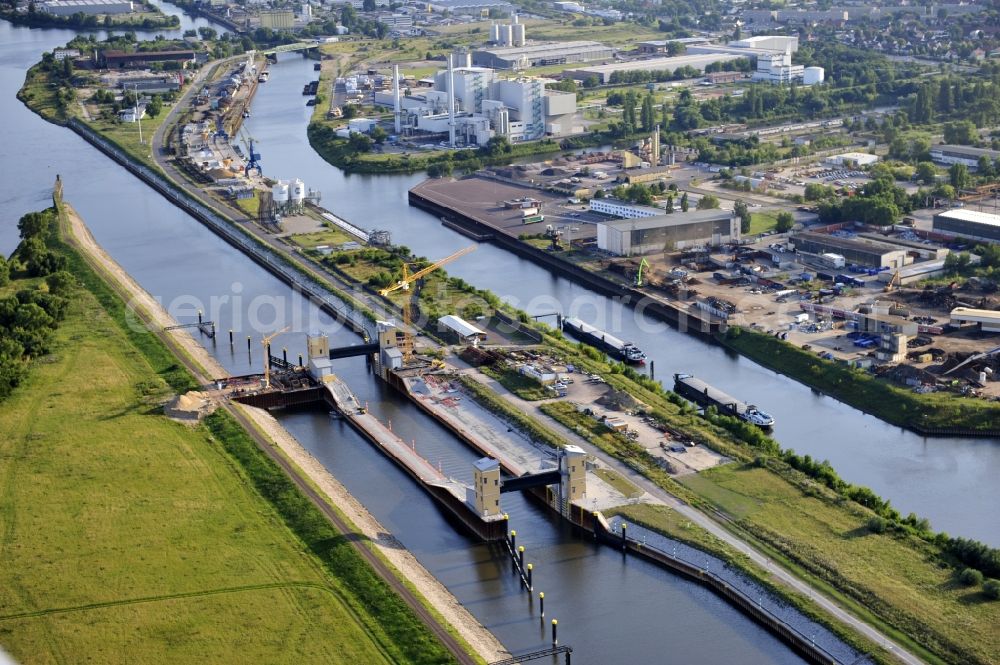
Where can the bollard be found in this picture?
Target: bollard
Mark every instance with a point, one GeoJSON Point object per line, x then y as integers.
{"type": "Point", "coordinates": [199, 317]}
{"type": "Point", "coordinates": [530, 587]}
{"type": "Point", "coordinates": [284, 355]}
{"type": "Point", "coordinates": [624, 540]}
{"type": "Point", "coordinates": [541, 603]}
{"type": "Point", "coordinates": [230, 337]}
{"type": "Point", "coordinates": [300, 360]}
{"type": "Point", "coordinates": [513, 540]}
{"type": "Point", "coordinates": [520, 556]}
{"type": "Point", "coordinates": [248, 343]}
{"type": "Point", "coordinates": [652, 369]}
{"type": "Point", "coordinates": [555, 635]}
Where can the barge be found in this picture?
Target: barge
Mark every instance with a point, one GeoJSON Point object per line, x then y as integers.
{"type": "Point", "coordinates": [701, 393]}
{"type": "Point", "coordinates": [585, 332]}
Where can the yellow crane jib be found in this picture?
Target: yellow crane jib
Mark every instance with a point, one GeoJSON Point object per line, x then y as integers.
{"type": "Point", "coordinates": [266, 342]}
{"type": "Point", "coordinates": [408, 279]}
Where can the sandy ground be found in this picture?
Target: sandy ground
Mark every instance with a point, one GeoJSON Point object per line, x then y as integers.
{"type": "Point", "coordinates": [473, 632]}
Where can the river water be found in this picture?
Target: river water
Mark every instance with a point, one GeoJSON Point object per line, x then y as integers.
{"type": "Point", "coordinates": [610, 609]}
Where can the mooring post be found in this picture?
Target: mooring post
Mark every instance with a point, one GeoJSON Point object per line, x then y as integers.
{"type": "Point", "coordinates": [624, 539]}
{"type": "Point", "coordinates": [248, 343]}
{"type": "Point", "coordinates": [652, 369]}
{"type": "Point", "coordinates": [530, 587]}
{"type": "Point", "coordinates": [199, 317]}
{"type": "Point", "coordinates": [520, 556]}
{"type": "Point", "coordinates": [300, 360]}
{"type": "Point", "coordinates": [284, 355]}
{"type": "Point", "coordinates": [230, 337]}
{"type": "Point", "coordinates": [555, 634]}
{"type": "Point", "coordinates": [513, 540]}
{"type": "Point", "coordinates": [541, 603]}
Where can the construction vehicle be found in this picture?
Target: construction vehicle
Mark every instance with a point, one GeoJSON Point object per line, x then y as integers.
{"type": "Point", "coordinates": [266, 342]}
{"type": "Point", "coordinates": [638, 275]}
{"type": "Point", "coordinates": [893, 283]}
{"type": "Point", "coordinates": [407, 279]}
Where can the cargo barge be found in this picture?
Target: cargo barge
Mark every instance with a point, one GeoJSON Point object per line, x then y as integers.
{"type": "Point", "coordinates": [585, 332]}
{"type": "Point", "coordinates": [701, 393]}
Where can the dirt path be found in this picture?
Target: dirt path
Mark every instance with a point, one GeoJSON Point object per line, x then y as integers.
{"type": "Point", "coordinates": [474, 633]}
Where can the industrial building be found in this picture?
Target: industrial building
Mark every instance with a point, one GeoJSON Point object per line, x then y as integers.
{"type": "Point", "coordinates": [480, 106]}
{"type": "Point", "coordinates": [660, 45]}
{"type": "Point", "coordinates": [947, 155]}
{"type": "Point", "coordinates": [968, 224]}
{"type": "Point", "coordinates": [628, 237]}
{"type": "Point", "coordinates": [671, 64]}
{"type": "Point", "coordinates": [277, 19]}
{"type": "Point", "coordinates": [852, 159]}
{"type": "Point", "coordinates": [88, 7]}
{"type": "Point", "coordinates": [461, 330]}
{"type": "Point", "coordinates": [469, 6]}
{"type": "Point", "coordinates": [647, 174]}
{"type": "Point", "coordinates": [988, 320]}
{"type": "Point", "coordinates": [913, 273]}
{"type": "Point", "coordinates": [534, 55]}
{"type": "Point", "coordinates": [773, 54]}
{"type": "Point", "coordinates": [113, 59]}
{"type": "Point", "coordinates": [619, 208]}
{"type": "Point", "coordinates": [865, 252]}
{"type": "Point", "coordinates": [771, 42]}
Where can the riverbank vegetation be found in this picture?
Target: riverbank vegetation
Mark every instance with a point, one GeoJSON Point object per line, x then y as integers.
{"type": "Point", "coordinates": [860, 389]}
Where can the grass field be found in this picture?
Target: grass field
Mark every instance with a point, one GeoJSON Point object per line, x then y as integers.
{"type": "Point", "coordinates": [128, 537]}
{"type": "Point", "coordinates": [762, 221]}
{"type": "Point", "coordinates": [900, 579]}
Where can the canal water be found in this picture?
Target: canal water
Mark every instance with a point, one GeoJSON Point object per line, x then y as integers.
{"type": "Point", "coordinates": [611, 609]}
{"type": "Point", "coordinates": [948, 480]}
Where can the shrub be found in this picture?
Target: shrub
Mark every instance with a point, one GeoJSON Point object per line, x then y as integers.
{"type": "Point", "coordinates": [970, 577]}
{"type": "Point", "coordinates": [992, 589]}
{"type": "Point", "coordinates": [878, 525]}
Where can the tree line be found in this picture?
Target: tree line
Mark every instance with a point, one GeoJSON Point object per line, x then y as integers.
{"type": "Point", "coordinates": [29, 317]}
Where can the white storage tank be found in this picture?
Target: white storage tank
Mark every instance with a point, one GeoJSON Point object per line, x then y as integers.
{"type": "Point", "coordinates": [495, 33]}
{"type": "Point", "coordinates": [813, 75]}
{"type": "Point", "coordinates": [518, 34]}
{"type": "Point", "coordinates": [279, 192]}
{"type": "Point", "coordinates": [506, 35]}
{"type": "Point", "coordinates": [297, 191]}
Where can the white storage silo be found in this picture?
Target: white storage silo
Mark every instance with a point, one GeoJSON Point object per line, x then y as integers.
{"type": "Point", "coordinates": [495, 33]}
{"type": "Point", "coordinates": [297, 192]}
{"type": "Point", "coordinates": [506, 35]}
{"type": "Point", "coordinates": [518, 34]}
{"type": "Point", "coordinates": [279, 192]}
{"type": "Point", "coordinates": [812, 75]}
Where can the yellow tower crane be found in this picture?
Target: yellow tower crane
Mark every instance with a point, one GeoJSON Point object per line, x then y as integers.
{"type": "Point", "coordinates": [408, 279]}
{"type": "Point", "coordinates": [266, 342]}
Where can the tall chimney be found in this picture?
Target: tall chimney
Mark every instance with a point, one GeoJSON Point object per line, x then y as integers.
{"type": "Point", "coordinates": [396, 104]}
{"type": "Point", "coordinates": [451, 100]}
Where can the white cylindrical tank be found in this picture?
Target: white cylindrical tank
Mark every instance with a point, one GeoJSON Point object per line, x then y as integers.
{"type": "Point", "coordinates": [982, 378]}
{"type": "Point", "coordinates": [495, 33]}
{"type": "Point", "coordinates": [506, 35]}
{"type": "Point", "coordinates": [279, 192]}
{"type": "Point", "coordinates": [297, 191]}
{"type": "Point", "coordinates": [813, 75]}
{"type": "Point", "coordinates": [518, 34]}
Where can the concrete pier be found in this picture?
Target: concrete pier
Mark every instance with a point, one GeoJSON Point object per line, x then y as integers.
{"type": "Point", "coordinates": [452, 494]}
